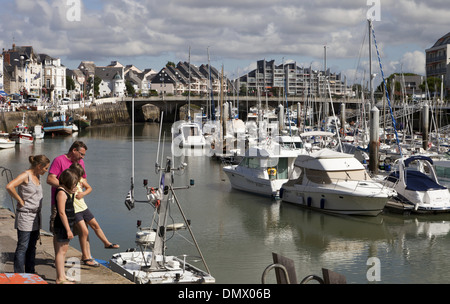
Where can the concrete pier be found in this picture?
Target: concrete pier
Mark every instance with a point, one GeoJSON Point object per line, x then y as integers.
{"type": "Point", "coordinates": [45, 257]}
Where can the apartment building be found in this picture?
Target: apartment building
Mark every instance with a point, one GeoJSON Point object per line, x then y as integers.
{"type": "Point", "coordinates": [268, 77]}
{"type": "Point", "coordinates": [174, 80]}
{"type": "Point", "coordinates": [438, 61]}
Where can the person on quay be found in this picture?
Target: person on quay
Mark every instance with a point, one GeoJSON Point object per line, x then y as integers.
{"type": "Point", "coordinates": [76, 154]}
{"type": "Point", "coordinates": [28, 212]}
{"type": "Point", "coordinates": [84, 217]}
{"type": "Point", "coordinates": [64, 221]}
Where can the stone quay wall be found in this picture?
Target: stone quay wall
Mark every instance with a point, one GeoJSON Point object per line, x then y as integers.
{"type": "Point", "coordinates": [98, 114]}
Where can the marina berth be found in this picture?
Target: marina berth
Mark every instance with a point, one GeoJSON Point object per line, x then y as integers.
{"type": "Point", "coordinates": [335, 182]}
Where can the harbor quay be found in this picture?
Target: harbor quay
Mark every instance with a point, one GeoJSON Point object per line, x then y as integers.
{"type": "Point", "coordinates": [45, 257]}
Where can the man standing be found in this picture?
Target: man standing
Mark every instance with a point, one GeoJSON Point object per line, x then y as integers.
{"type": "Point", "coordinates": [75, 155]}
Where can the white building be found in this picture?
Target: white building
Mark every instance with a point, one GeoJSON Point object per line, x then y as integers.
{"type": "Point", "coordinates": [53, 76]}
{"type": "Point", "coordinates": [113, 82]}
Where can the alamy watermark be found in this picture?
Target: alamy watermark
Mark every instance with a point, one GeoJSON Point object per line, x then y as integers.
{"type": "Point", "coordinates": [73, 13]}
{"type": "Point", "coordinates": [374, 12]}
{"type": "Point", "coordinates": [373, 273]}
{"type": "Point", "coordinates": [74, 271]}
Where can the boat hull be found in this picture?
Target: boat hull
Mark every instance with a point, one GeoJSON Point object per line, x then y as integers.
{"type": "Point", "coordinates": [7, 144]}
{"type": "Point", "coordinates": [260, 186]}
{"type": "Point", "coordinates": [335, 201]}
{"type": "Point", "coordinates": [22, 138]}
{"type": "Point", "coordinates": [60, 128]}
{"type": "Point", "coordinates": [134, 266]}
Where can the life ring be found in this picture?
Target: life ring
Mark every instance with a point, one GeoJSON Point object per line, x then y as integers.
{"type": "Point", "coordinates": [272, 171]}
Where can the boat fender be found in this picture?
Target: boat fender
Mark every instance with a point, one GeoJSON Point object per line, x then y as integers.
{"type": "Point", "coordinates": [322, 203]}
{"type": "Point", "coordinates": [272, 171]}
{"type": "Point", "coordinates": [309, 201]}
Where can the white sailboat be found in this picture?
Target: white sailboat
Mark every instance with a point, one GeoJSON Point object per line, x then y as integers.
{"type": "Point", "coordinates": [335, 182]}
{"type": "Point", "coordinates": [187, 134]}
{"type": "Point", "coordinates": [149, 263]}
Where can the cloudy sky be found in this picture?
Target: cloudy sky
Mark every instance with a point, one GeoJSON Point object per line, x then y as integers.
{"type": "Point", "coordinates": [148, 33]}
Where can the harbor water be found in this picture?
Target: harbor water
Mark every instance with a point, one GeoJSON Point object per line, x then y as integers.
{"type": "Point", "coordinates": [237, 231]}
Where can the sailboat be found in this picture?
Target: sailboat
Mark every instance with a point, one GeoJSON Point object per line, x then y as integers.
{"type": "Point", "coordinates": [149, 262]}
{"type": "Point", "coordinates": [188, 134]}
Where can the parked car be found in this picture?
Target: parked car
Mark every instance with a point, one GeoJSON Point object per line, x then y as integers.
{"type": "Point", "coordinates": [65, 100]}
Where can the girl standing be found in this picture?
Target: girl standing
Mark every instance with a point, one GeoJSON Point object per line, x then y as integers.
{"type": "Point", "coordinates": [64, 221]}
{"type": "Point", "coordinates": [28, 214]}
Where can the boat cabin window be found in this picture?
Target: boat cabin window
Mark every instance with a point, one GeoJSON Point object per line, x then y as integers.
{"type": "Point", "coordinates": [328, 177]}
{"type": "Point", "coordinates": [191, 131]}
{"type": "Point", "coordinates": [279, 164]}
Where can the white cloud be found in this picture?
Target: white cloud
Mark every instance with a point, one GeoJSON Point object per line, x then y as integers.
{"type": "Point", "coordinates": [235, 30]}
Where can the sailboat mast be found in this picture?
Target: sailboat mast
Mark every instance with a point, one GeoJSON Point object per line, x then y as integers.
{"type": "Point", "coordinates": [372, 96]}
{"type": "Point", "coordinates": [189, 90]}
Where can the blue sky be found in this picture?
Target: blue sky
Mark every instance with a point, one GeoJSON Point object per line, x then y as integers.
{"type": "Point", "coordinates": [148, 33]}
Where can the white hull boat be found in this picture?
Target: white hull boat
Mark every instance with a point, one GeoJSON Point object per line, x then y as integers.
{"type": "Point", "coordinates": [415, 180]}
{"type": "Point", "coordinates": [21, 134]}
{"type": "Point", "coordinates": [263, 170]}
{"type": "Point", "coordinates": [337, 183]}
{"type": "Point", "coordinates": [188, 135]}
{"type": "Point", "coordinates": [5, 142]}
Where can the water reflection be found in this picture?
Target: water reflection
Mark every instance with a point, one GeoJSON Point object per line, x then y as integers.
{"type": "Point", "coordinates": [238, 231]}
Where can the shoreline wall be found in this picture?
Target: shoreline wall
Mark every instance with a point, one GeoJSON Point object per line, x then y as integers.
{"type": "Point", "coordinates": [99, 114]}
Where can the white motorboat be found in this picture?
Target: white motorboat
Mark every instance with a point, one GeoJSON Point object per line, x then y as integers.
{"type": "Point", "coordinates": [149, 263]}
{"type": "Point", "coordinates": [335, 182]}
{"type": "Point", "coordinates": [21, 134]}
{"type": "Point", "coordinates": [5, 142]}
{"type": "Point", "coordinates": [263, 169]}
{"type": "Point", "coordinates": [415, 180]}
{"type": "Point", "coordinates": [187, 135]}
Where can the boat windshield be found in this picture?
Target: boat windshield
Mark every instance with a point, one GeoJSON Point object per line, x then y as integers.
{"type": "Point", "coordinates": [279, 164]}
{"type": "Point", "coordinates": [328, 177]}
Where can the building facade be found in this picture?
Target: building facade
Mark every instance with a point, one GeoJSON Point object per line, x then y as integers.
{"type": "Point", "coordinates": [24, 71]}
{"type": "Point", "coordinates": [273, 79]}
{"type": "Point", "coordinates": [175, 80]}
{"type": "Point", "coordinates": [438, 61]}
{"type": "Point", "coordinates": [53, 76]}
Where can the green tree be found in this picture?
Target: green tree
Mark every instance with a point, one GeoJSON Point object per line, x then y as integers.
{"type": "Point", "coordinates": [130, 89]}
{"type": "Point", "coordinates": [70, 83]}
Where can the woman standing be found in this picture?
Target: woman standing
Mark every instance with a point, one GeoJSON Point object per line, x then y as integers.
{"type": "Point", "coordinates": [28, 215]}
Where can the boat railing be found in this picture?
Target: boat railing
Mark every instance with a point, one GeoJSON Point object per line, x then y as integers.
{"type": "Point", "coordinates": [9, 177]}
{"type": "Point", "coordinates": [334, 183]}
